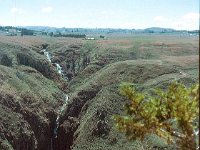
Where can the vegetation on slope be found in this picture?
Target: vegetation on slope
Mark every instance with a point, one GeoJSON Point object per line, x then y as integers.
{"type": "Point", "coordinates": [98, 68]}
{"type": "Point", "coordinates": [159, 114]}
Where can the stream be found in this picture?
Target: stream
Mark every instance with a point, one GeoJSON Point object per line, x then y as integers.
{"type": "Point", "coordinates": [66, 99]}
{"type": "Point", "coordinates": [59, 114]}
{"type": "Point", "coordinates": [47, 54]}
{"type": "Point", "coordinates": [65, 102]}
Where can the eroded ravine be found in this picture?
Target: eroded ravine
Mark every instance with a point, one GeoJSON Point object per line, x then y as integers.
{"type": "Point", "coordinates": [54, 140]}
{"type": "Point", "coordinates": [63, 107]}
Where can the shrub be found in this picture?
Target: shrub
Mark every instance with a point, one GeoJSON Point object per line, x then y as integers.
{"type": "Point", "coordinates": [170, 114]}
{"type": "Point", "coordinates": [5, 60]}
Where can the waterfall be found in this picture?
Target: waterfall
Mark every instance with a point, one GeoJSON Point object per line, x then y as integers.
{"type": "Point", "coordinates": [60, 71]}
{"type": "Point", "coordinates": [196, 134]}
{"type": "Point", "coordinates": [47, 54]}
{"type": "Point", "coordinates": [59, 114]}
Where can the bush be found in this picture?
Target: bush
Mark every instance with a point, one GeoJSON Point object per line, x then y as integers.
{"type": "Point", "coordinates": [5, 60]}
{"type": "Point", "coordinates": [170, 114]}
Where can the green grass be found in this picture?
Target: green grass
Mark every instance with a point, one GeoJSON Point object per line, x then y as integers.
{"type": "Point", "coordinates": [19, 82]}
{"type": "Point", "coordinates": [139, 59]}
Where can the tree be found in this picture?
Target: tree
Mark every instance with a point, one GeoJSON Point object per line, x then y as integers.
{"type": "Point", "coordinates": [51, 34]}
{"type": "Point", "coordinates": [170, 114]}
{"type": "Point", "coordinates": [101, 36]}
{"type": "Point", "coordinates": [26, 32]}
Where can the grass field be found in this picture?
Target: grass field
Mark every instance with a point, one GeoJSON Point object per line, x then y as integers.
{"type": "Point", "coordinates": [146, 60]}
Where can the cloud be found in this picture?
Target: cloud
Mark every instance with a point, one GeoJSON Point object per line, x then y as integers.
{"type": "Point", "coordinates": [16, 10]}
{"type": "Point", "coordinates": [47, 9]}
{"type": "Point", "coordinates": [180, 25]}
{"type": "Point", "coordinates": [191, 16]}
{"type": "Point", "coordinates": [189, 21]}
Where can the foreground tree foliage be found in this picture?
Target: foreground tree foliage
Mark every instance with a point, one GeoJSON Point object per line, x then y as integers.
{"type": "Point", "coordinates": [170, 114]}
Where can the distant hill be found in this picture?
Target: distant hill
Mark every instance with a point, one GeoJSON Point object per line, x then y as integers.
{"type": "Point", "coordinates": [41, 28]}
{"type": "Point", "coordinates": [45, 30]}
{"type": "Point", "coordinates": [159, 30]}
{"type": "Point", "coordinates": [106, 30]}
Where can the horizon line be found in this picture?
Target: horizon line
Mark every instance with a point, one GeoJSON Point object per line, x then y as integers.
{"type": "Point", "coordinates": [100, 27]}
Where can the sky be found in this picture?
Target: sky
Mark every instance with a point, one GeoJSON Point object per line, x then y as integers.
{"type": "Point", "coordinates": [130, 14]}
